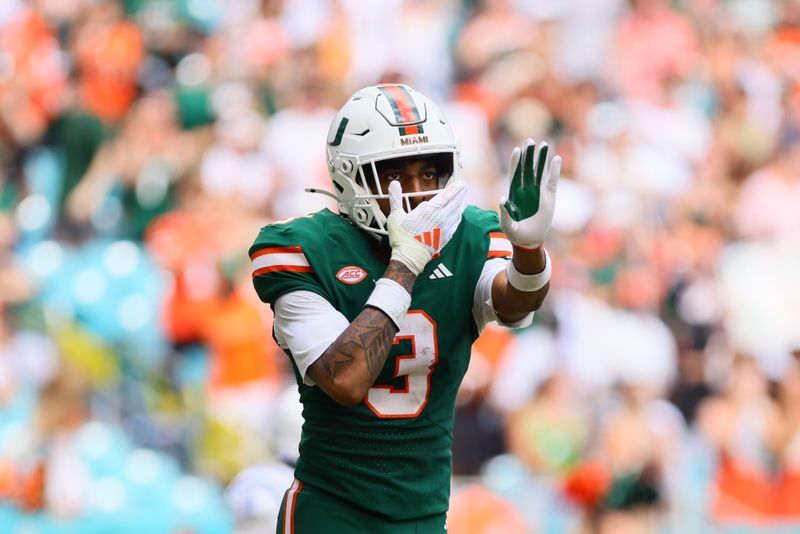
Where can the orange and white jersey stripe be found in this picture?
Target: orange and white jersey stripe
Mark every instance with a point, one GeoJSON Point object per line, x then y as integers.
{"type": "Point", "coordinates": [286, 259]}
{"type": "Point", "coordinates": [288, 507]}
{"type": "Point", "coordinates": [499, 245]}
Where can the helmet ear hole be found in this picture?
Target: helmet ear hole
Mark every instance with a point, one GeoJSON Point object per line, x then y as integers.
{"type": "Point", "coordinates": [361, 215]}
{"type": "Point", "coordinates": [346, 166]}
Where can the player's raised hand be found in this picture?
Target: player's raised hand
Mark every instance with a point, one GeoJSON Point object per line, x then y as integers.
{"type": "Point", "coordinates": [429, 226]}
{"type": "Point", "coordinates": [435, 221]}
{"type": "Point", "coordinates": [527, 213]}
{"type": "Point", "coordinates": [405, 248]}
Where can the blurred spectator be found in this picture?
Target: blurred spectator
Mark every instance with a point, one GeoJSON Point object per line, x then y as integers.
{"type": "Point", "coordinates": [33, 79]}
{"type": "Point", "coordinates": [762, 208]}
{"type": "Point", "coordinates": [234, 170]}
{"type": "Point", "coordinates": [16, 284]}
{"type": "Point", "coordinates": [425, 59]}
{"type": "Point", "coordinates": [476, 510]}
{"type": "Point", "coordinates": [494, 30]}
{"type": "Point", "coordinates": [642, 60]}
{"type": "Point", "coordinates": [627, 503]}
{"type": "Point", "coordinates": [691, 387]}
{"type": "Point", "coordinates": [133, 177]}
{"type": "Point", "coordinates": [477, 428]}
{"type": "Point", "coordinates": [787, 442]}
{"type": "Point", "coordinates": [306, 116]}
{"type": "Point", "coordinates": [62, 411]}
{"type": "Point", "coordinates": [41, 466]}
{"type": "Point", "coordinates": [108, 52]}
{"type": "Point", "coordinates": [584, 38]}
{"type": "Point", "coordinates": [758, 317]}
{"type": "Point", "coordinates": [642, 435]}
{"type": "Point", "coordinates": [740, 423]}
{"type": "Point", "coordinates": [550, 433]}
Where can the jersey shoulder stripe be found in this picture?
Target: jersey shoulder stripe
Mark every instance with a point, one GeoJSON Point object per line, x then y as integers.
{"type": "Point", "coordinates": [289, 240]}
{"type": "Point", "coordinates": [484, 225]}
{"type": "Point", "coordinates": [499, 245]}
{"type": "Point", "coordinates": [279, 256]}
{"type": "Point", "coordinates": [276, 259]}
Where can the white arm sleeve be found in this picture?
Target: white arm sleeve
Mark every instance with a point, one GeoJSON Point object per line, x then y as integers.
{"type": "Point", "coordinates": [306, 324]}
{"type": "Point", "coordinates": [482, 305]}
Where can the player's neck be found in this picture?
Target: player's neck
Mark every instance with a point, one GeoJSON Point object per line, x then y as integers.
{"type": "Point", "coordinates": [380, 247]}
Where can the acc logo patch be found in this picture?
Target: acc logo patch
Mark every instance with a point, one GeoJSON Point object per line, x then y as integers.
{"type": "Point", "coordinates": [351, 274]}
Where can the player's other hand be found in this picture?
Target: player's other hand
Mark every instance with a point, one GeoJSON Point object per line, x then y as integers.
{"type": "Point", "coordinates": [527, 213]}
{"type": "Point", "coordinates": [416, 235]}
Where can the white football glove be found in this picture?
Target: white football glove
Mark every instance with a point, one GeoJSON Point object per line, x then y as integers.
{"type": "Point", "coordinates": [527, 214]}
{"type": "Point", "coordinates": [417, 235]}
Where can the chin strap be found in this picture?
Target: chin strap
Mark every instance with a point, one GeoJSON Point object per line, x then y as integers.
{"type": "Point", "coordinates": [371, 231]}
{"type": "Point", "coordinates": [321, 192]}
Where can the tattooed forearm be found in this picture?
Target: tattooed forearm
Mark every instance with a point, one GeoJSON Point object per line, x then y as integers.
{"type": "Point", "coordinates": [371, 334]}
{"type": "Point", "coordinates": [401, 274]}
{"type": "Point", "coordinates": [333, 361]}
{"type": "Point", "coordinates": [352, 363]}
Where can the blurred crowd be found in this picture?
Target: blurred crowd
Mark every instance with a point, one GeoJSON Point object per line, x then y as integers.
{"type": "Point", "coordinates": [143, 143]}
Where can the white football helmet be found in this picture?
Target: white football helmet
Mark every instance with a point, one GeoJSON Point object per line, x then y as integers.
{"type": "Point", "coordinates": [378, 123]}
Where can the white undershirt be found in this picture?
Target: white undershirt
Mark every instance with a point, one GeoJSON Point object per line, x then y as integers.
{"type": "Point", "coordinates": [306, 324]}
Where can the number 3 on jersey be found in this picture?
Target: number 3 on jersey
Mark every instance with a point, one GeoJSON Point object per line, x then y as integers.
{"type": "Point", "coordinates": [416, 368]}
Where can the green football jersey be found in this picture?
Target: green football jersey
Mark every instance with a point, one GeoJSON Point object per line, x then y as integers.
{"type": "Point", "coordinates": [391, 454]}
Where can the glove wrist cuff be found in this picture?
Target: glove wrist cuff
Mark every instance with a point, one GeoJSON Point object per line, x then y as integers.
{"type": "Point", "coordinates": [391, 298]}
{"type": "Point", "coordinates": [529, 282]}
{"type": "Point", "coordinates": [413, 255]}
{"type": "Point", "coordinates": [528, 246]}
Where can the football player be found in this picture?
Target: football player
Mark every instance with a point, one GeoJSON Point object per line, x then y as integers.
{"type": "Point", "coordinates": [378, 305]}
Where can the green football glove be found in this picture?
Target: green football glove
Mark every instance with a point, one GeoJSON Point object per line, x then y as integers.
{"type": "Point", "coordinates": [527, 213]}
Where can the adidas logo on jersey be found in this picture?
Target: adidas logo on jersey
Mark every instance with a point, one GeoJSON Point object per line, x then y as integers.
{"type": "Point", "coordinates": [440, 272]}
